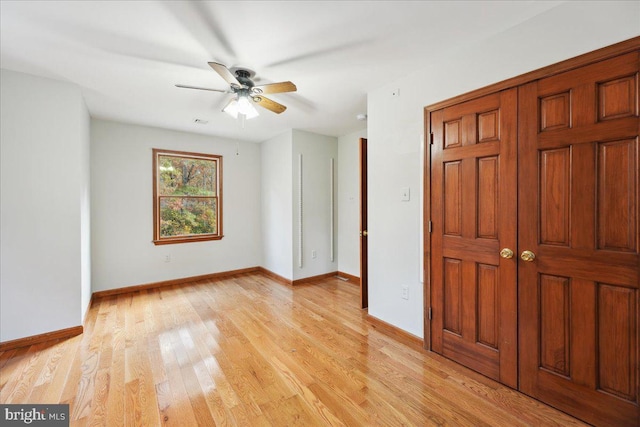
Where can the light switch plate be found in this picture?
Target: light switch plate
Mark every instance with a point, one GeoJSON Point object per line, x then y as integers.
{"type": "Point", "coordinates": [405, 194]}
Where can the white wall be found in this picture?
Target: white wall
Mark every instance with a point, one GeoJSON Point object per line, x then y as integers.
{"type": "Point", "coordinates": [349, 202]}
{"type": "Point", "coordinates": [280, 224]}
{"type": "Point", "coordinates": [277, 199]}
{"type": "Point", "coordinates": [85, 212]}
{"type": "Point", "coordinates": [395, 128]}
{"type": "Point", "coordinates": [317, 152]}
{"type": "Point", "coordinates": [43, 147]}
{"type": "Point", "coordinates": [122, 208]}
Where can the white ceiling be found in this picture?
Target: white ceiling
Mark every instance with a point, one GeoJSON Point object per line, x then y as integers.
{"type": "Point", "coordinates": [127, 55]}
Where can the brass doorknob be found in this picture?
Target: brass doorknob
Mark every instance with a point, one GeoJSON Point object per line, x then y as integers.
{"type": "Point", "coordinates": [506, 253]}
{"type": "Point", "coordinates": [365, 233]}
{"type": "Point", "coordinates": [527, 256]}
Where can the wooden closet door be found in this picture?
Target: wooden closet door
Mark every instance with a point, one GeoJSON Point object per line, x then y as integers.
{"type": "Point", "coordinates": [578, 214]}
{"type": "Point", "coordinates": [474, 295]}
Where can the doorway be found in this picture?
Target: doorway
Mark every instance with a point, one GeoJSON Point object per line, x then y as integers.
{"type": "Point", "coordinates": [364, 287]}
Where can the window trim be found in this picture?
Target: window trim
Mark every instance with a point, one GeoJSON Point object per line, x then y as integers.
{"type": "Point", "coordinates": [157, 239]}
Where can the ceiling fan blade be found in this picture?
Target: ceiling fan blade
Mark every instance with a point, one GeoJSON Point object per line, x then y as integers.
{"type": "Point", "coordinates": [203, 88]}
{"type": "Point", "coordinates": [225, 73]}
{"type": "Point", "coordinates": [275, 88]}
{"type": "Point", "coordinates": [268, 104]}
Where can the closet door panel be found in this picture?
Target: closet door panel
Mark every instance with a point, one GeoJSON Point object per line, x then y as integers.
{"type": "Point", "coordinates": [578, 214]}
{"type": "Point", "coordinates": [474, 291]}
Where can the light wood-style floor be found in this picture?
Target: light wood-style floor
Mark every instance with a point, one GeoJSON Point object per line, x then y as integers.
{"type": "Point", "coordinates": [248, 351]}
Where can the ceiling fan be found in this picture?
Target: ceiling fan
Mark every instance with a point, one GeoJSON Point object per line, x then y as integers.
{"type": "Point", "coordinates": [247, 93]}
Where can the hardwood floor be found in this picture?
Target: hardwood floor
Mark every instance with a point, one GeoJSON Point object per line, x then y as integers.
{"type": "Point", "coordinates": [248, 351]}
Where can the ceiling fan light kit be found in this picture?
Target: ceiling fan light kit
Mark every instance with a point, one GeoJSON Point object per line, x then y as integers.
{"type": "Point", "coordinates": [241, 105]}
{"type": "Point", "coordinates": [247, 93]}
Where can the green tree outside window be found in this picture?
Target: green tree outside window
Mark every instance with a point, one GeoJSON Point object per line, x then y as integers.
{"type": "Point", "coordinates": [187, 196]}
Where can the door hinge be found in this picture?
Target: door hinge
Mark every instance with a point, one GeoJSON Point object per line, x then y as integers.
{"type": "Point", "coordinates": [430, 226]}
{"type": "Point", "coordinates": [431, 138]}
{"type": "Point", "coordinates": [429, 313]}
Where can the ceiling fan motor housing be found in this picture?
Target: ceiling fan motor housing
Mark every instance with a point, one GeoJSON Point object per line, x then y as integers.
{"type": "Point", "coordinates": [243, 77]}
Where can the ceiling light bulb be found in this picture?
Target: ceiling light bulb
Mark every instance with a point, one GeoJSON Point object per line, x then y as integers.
{"type": "Point", "coordinates": [232, 108]}
{"type": "Point", "coordinates": [245, 107]}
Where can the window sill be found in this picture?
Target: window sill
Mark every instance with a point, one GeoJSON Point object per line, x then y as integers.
{"type": "Point", "coordinates": [170, 241]}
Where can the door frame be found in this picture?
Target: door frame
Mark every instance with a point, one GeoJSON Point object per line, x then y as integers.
{"type": "Point", "coordinates": [426, 227]}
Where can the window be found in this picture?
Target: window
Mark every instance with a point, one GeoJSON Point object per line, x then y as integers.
{"type": "Point", "coordinates": [187, 197]}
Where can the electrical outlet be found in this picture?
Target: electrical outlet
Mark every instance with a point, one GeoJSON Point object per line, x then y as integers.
{"type": "Point", "coordinates": [167, 258]}
{"type": "Point", "coordinates": [314, 254]}
{"type": "Point", "coordinates": [405, 292]}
